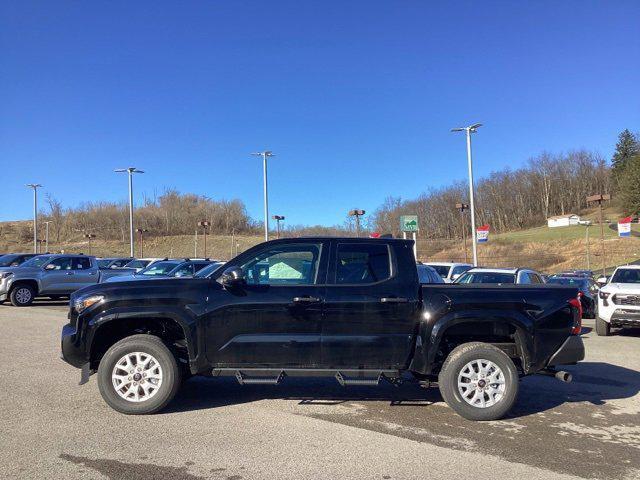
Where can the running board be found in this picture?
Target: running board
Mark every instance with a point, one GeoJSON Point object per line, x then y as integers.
{"type": "Point", "coordinates": [248, 380]}
{"type": "Point", "coordinates": [361, 381]}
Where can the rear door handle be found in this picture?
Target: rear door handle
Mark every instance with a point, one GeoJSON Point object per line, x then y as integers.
{"type": "Point", "coordinates": [393, 300]}
{"type": "Point", "coordinates": [305, 299]}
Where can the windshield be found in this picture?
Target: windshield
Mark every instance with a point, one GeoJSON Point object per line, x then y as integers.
{"type": "Point", "coordinates": [159, 268]}
{"type": "Point", "coordinates": [626, 275]}
{"type": "Point", "coordinates": [443, 270]}
{"type": "Point", "coordinates": [209, 269]}
{"type": "Point", "coordinates": [37, 261]}
{"type": "Point", "coordinates": [137, 264]}
{"type": "Point", "coordinates": [573, 281]}
{"type": "Point", "coordinates": [6, 260]}
{"type": "Point", "coordinates": [487, 277]}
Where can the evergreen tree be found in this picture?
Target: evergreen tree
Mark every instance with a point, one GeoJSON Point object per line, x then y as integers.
{"type": "Point", "coordinates": [630, 186]}
{"type": "Point", "coordinates": [626, 148]}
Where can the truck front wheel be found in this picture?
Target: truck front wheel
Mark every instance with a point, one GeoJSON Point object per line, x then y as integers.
{"type": "Point", "coordinates": [22, 295]}
{"type": "Point", "coordinates": [138, 375]}
{"type": "Point", "coordinates": [479, 381]}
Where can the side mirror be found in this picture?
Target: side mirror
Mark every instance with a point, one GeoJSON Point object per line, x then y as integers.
{"type": "Point", "coordinates": [50, 267]}
{"type": "Point", "coordinates": [602, 280]}
{"type": "Point", "coordinates": [232, 276]}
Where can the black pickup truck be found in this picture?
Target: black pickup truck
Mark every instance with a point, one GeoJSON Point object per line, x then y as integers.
{"type": "Point", "coordinates": [350, 308]}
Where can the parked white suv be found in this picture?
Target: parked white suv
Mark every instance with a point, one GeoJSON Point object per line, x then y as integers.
{"type": "Point", "coordinates": [619, 300]}
{"type": "Point", "coordinates": [449, 271]}
{"type": "Point", "coordinates": [501, 276]}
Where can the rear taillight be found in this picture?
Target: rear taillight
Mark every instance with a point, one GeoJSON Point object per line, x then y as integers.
{"type": "Point", "coordinates": [577, 315]}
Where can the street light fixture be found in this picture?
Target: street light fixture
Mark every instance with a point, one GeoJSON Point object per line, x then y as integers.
{"type": "Point", "coordinates": [469, 130]}
{"type": "Point", "coordinates": [266, 154]}
{"type": "Point", "coordinates": [278, 219]}
{"type": "Point", "coordinates": [599, 198]}
{"type": "Point", "coordinates": [35, 187]}
{"type": "Point", "coordinates": [357, 214]}
{"type": "Point", "coordinates": [46, 235]}
{"type": "Point", "coordinates": [462, 207]}
{"type": "Point", "coordinates": [204, 224]}
{"type": "Point", "coordinates": [141, 231]}
{"type": "Point", "coordinates": [130, 171]}
{"type": "Point", "coordinates": [89, 236]}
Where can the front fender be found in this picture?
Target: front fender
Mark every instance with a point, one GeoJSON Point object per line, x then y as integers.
{"type": "Point", "coordinates": [183, 317]}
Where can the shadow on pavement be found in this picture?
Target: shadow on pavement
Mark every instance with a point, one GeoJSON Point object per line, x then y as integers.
{"type": "Point", "coordinates": [593, 382]}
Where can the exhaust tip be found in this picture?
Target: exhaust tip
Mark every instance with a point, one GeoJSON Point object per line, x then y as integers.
{"type": "Point", "coordinates": [563, 376]}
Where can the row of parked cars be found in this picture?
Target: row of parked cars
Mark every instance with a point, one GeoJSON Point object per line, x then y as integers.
{"type": "Point", "coordinates": [24, 276]}
{"type": "Point", "coordinates": [613, 301]}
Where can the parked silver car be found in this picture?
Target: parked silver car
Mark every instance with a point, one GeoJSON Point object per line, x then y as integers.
{"type": "Point", "coordinates": [52, 276]}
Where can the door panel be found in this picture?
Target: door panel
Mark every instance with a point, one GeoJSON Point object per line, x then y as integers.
{"type": "Point", "coordinates": [265, 325]}
{"type": "Point", "coordinates": [368, 325]}
{"type": "Point", "coordinates": [274, 318]}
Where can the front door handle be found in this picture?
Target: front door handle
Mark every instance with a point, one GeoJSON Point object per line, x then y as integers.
{"type": "Point", "coordinates": [69, 273]}
{"type": "Point", "coordinates": [393, 300]}
{"type": "Point", "coordinates": [305, 299]}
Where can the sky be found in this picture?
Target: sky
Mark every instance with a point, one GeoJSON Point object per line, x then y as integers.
{"type": "Point", "coordinates": [356, 98]}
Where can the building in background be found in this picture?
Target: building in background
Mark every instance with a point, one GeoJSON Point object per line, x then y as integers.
{"type": "Point", "coordinates": [563, 220]}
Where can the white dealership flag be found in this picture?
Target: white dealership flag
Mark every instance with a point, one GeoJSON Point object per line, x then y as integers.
{"type": "Point", "coordinates": [624, 227]}
{"type": "Point", "coordinates": [482, 233]}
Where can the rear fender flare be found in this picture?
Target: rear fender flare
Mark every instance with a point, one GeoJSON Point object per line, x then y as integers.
{"type": "Point", "coordinates": [431, 333]}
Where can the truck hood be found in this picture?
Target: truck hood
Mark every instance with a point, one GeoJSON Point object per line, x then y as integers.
{"type": "Point", "coordinates": [621, 287]}
{"type": "Point", "coordinates": [142, 289]}
{"type": "Point", "coordinates": [22, 271]}
{"type": "Point", "coordinates": [134, 278]}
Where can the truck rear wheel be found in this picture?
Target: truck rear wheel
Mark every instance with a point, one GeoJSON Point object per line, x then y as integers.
{"type": "Point", "coordinates": [479, 381]}
{"type": "Point", "coordinates": [138, 375]}
{"type": "Point", "coordinates": [22, 295]}
{"type": "Point", "coordinates": [603, 329]}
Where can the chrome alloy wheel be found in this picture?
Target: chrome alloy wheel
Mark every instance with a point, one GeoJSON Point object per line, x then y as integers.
{"type": "Point", "coordinates": [137, 377]}
{"type": "Point", "coordinates": [481, 383]}
{"type": "Point", "coordinates": [23, 295]}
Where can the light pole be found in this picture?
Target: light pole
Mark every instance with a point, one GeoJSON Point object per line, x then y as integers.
{"type": "Point", "coordinates": [204, 224]}
{"type": "Point", "coordinates": [469, 130]}
{"type": "Point", "coordinates": [357, 214]}
{"type": "Point", "coordinates": [130, 171]}
{"type": "Point", "coordinates": [89, 236]}
{"type": "Point", "coordinates": [266, 154]}
{"type": "Point", "coordinates": [278, 219]}
{"type": "Point", "coordinates": [462, 207]}
{"type": "Point", "coordinates": [599, 199]}
{"type": "Point", "coordinates": [141, 231]}
{"type": "Point", "coordinates": [35, 187]}
{"type": "Point", "coordinates": [46, 236]}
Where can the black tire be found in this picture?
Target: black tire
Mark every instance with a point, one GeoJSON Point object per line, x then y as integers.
{"type": "Point", "coordinates": [603, 329]}
{"type": "Point", "coordinates": [22, 295]}
{"type": "Point", "coordinates": [456, 362]}
{"type": "Point", "coordinates": [150, 345]}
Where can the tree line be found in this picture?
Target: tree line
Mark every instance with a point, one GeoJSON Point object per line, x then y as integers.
{"type": "Point", "coordinates": [548, 185]}
{"type": "Point", "coordinates": [171, 213]}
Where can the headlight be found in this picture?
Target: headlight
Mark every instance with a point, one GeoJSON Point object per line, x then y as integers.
{"type": "Point", "coordinates": [83, 303]}
{"type": "Point", "coordinates": [604, 295]}
{"type": "Point", "coordinates": [4, 275]}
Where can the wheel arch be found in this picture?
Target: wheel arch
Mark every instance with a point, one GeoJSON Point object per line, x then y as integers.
{"type": "Point", "coordinates": [171, 329]}
{"type": "Point", "coordinates": [436, 340]}
{"type": "Point", "coordinates": [27, 281]}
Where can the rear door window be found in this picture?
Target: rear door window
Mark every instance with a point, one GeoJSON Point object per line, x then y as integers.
{"type": "Point", "coordinates": [81, 263]}
{"type": "Point", "coordinates": [362, 263]}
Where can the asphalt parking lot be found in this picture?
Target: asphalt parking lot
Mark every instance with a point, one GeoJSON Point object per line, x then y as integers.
{"type": "Point", "coordinates": [216, 429]}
